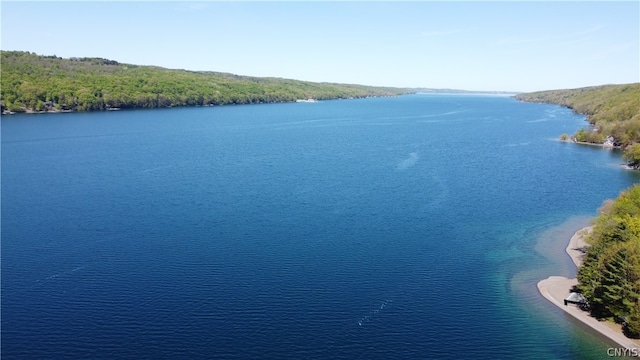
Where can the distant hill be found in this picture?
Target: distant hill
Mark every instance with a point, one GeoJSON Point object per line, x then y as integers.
{"type": "Point", "coordinates": [459, 91]}
{"type": "Point", "coordinates": [612, 110]}
{"type": "Point", "coordinates": [31, 82]}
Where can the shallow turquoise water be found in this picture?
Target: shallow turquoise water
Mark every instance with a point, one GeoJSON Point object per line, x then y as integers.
{"type": "Point", "coordinates": [409, 227]}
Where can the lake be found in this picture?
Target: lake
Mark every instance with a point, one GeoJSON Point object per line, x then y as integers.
{"type": "Point", "coordinates": [413, 227]}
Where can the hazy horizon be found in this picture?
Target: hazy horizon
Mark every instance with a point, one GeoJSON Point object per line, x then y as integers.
{"type": "Point", "coordinates": [473, 46]}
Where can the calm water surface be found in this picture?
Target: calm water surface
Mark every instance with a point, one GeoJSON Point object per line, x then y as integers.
{"type": "Point", "coordinates": [413, 227]}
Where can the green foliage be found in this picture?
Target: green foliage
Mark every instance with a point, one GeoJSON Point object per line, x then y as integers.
{"type": "Point", "coordinates": [633, 322]}
{"type": "Point", "coordinates": [564, 137]}
{"type": "Point", "coordinates": [593, 137]}
{"type": "Point", "coordinates": [581, 135]}
{"type": "Point", "coordinates": [30, 81]}
{"type": "Point", "coordinates": [632, 155]}
{"type": "Point", "coordinates": [610, 275]}
{"type": "Point", "coordinates": [614, 110]}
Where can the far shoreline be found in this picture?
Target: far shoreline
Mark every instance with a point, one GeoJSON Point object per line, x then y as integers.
{"type": "Point", "coordinates": [600, 145]}
{"type": "Point", "coordinates": [556, 288]}
{"type": "Point", "coordinates": [53, 110]}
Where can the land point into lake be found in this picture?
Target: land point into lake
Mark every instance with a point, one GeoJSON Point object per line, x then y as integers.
{"type": "Point", "coordinates": [557, 288]}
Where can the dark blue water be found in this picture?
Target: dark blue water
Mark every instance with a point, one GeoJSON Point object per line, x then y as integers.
{"type": "Point", "coordinates": [392, 228]}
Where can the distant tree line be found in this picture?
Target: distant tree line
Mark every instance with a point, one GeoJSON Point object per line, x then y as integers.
{"type": "Point", "coordinates": [610, 274]}
{"type": "Point", "coordinates": [613, 112]}
{"type": "Point", "coordinates": [31, 82]}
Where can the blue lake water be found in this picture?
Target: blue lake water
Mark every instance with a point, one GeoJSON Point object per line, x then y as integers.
{"type": "Point", "coordinates": [413, 227]}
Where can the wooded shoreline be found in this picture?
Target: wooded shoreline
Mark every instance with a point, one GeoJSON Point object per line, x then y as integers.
{"type": "Point", "coordinates": [35, 83]}
{"type": "Point", "coordinates": [612, 111]}
{"type": "Point", "coordinates": [556, 288]}
{"type": "Point", "coordinates": [608, 276]}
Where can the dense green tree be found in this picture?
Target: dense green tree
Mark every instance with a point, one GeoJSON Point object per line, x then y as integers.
{"type": "Point", "coordinates": [610, 274]}
{"type": "Point", "coordinates": [632, 155]}
{"type": "Point", "coordinates": [612, 110]}
{"type": "Point", "coordinates": [581, 135]}
{"type": "Point", "coordinates": [97, 84]}
{"type": "Point", "coordinates": [620, 278]}
{"type": "Point", "coordinates": [633, 321]}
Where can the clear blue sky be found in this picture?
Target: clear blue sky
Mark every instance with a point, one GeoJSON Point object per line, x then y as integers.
{"type": "Point", "coordinates": [511, 46]}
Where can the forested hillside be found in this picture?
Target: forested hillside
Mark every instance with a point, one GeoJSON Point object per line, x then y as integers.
{"type": "Point", "coordinates": [611, 109]}
{"type": "Point", "coordinates": [610, 275]}
{"type": "Point", "coordinates": [31, 82]}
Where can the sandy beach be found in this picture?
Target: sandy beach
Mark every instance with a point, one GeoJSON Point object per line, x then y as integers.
{"type": "Point", "coordinates": [556, 288]}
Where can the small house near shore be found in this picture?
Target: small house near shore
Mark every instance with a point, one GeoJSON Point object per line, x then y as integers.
{"type": "Point", "coordinates": [576, 299]}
